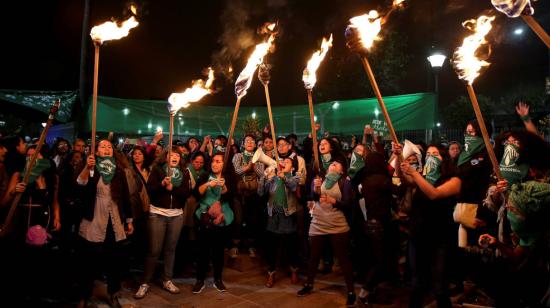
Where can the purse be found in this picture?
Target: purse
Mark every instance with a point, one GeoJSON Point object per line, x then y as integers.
{"type": "Point", "coordinates": [36, 235]}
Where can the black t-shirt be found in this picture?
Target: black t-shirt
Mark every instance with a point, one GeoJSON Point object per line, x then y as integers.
{"type": "Point", "coordinates": [432, 219]}
{"type": "Point", "coordinates": [475, 176]}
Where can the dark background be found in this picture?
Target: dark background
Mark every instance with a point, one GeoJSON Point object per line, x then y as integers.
{"type": "Point", "coordinates": [176, 40]}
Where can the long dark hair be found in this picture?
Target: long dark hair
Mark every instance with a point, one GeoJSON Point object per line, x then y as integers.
{"type": "Point", "coordinates": [161, 159]}
{"type": "Point", "coordinates": [532, 148]}
{"type": "Point", "coordinates": [14, 161]}
{"type": "Point", "coordinates": [146, 160]}
{"type": "Point", "coordinates": [448, 167]}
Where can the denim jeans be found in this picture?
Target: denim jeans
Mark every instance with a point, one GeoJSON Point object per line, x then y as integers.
{"type": "Point", "coordinates": [164, 233]}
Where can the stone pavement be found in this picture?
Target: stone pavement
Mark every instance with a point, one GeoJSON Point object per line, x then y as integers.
{"type": "Point", "coordinates": [246, 288]}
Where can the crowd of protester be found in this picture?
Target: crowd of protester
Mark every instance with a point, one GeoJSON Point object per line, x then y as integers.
{"type": "Point", "coordinates": [435, 217]}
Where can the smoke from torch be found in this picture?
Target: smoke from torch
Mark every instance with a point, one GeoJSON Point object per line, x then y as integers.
{"type": "Point", "coordinates": [245, 77]}
{"type": "Point", "coordinates": [199, 89]}
{"type": "Point", "coordinates": [465, 58]}
{"type": "Point", "coordinates": [309, 76]}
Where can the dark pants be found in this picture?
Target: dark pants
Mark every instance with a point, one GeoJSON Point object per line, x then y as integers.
{"type": "Point", "coordinates": [99, 258]}
{"type": "Point", "coordinates": [164, 232]}
{"type": "Point", "coordinates": [377, 249]}
{"type": "Point", "coordinates": [339, 243]}
{"type": "Point", "coordinates": [428, 262]}
{"type": "Point", "coordinates": [285, 244]}
{"type": "Point", "coordinates": [211, 243]}
{"type": "Point", "coordinates": [248, 219]}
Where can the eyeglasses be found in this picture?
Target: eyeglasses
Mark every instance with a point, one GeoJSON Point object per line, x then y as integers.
{"type": "Point", "coordinates": [250, 141]}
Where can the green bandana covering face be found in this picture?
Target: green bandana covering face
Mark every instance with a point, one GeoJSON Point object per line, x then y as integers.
{"type": "Point", "coordinates": [331, 179]}
{"type": "Point", "coordinates": [176, 176]}
{"type": "Point", "coordinates": [40, 165]}
{"type": "Point", "coordinates": [472, 146]}
{"type": "Point", "coordinates": [279, 198]}
{"type": "Point", "coordinates": [247, 156]}
{"type": "Point", "coordinates": [219, 149]}
{"type": "Point", "coordinates": [107, 167]}
{"type": "Point", "coordinates": [432, 169]}
{"type": "Point", "coordinates": [355, 164]}
{"type": "Point", "coordinates": [325, 158]}
{"type": "Point", "coordinates": [512, 172]}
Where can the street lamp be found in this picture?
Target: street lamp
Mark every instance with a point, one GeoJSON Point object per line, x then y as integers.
{"type": "Point", "coordinates": [436, 61]}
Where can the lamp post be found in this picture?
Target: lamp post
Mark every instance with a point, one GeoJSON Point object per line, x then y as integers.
{"type": "Point", "coordinates": [436, 62]}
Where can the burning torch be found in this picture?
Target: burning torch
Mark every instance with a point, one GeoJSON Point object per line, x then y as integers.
{"type": "Point", "coordinates": [176, 101]}
{"type": "Point", "coordinates": [309, 77]}
{"type": "Point", "coordinates": [468, 65]}
{"type": "Point", "coordinates": [107, 31]}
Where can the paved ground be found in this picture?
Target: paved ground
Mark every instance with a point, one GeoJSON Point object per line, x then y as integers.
{"type": "Point", "coordinates": [246, 289]}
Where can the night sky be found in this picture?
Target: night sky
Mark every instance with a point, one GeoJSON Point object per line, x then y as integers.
{"type": "Point", "coordinates": [176, 40]}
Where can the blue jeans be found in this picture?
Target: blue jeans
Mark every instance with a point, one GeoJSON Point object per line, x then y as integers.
{"type": "Point", "coordinates": [163, 233]}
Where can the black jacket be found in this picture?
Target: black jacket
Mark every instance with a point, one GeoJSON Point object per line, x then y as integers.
{"type": "Point", "coordinates": [161, 197]}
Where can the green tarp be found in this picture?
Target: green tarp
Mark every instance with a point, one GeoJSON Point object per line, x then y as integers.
{"type": "Point", "coordinates": [42, 101]}
{"type": "Point", "coordinates": [144, 117]}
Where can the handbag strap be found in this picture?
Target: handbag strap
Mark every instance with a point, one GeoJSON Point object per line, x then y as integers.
{"type": "Point", "coordinates": [29, 216]}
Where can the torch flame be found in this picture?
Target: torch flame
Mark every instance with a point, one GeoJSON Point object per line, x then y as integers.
{"type": "Point", "coordinates": [309, 76]}
{"type": "Point", "coordinates": [199, 89]}
{"type": "Point", "coordinates": [466, 63]}
{"type": "Point", "coordinates": [133, 9]}
{"type": "Point", "coordinates": [368, 25]}
{"type": "Point", "coordinates": [397, 3]}
{"type": "Point", "coordinates": [245, 77]}
{"type": "Point", "coordinates": [112, 31]}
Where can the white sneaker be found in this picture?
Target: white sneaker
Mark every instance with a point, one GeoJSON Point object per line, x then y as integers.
{"type": "Point", "coordinates": [252, 253]}
{"type": "Point", "coordinates": [234, 253]}
{"type": "Point", "coordinates": [142, 291]}
{"type": "Point", "coordinates": [170, 287]}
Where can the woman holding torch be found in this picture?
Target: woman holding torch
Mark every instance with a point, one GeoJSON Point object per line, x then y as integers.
{"type": "Point", "coordinates": [333, 195]}
{"type": "Point", "coordinates": [107, 219]}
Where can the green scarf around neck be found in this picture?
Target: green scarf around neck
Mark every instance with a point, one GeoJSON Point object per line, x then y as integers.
{"type": "Point", "coordinates": [40, 165]}
{"type": "Point", "coordinates": [247, 156]}
{"type": "Point", "coordinates": [279, 197]}
{"type": "Point", "coordinates": [326, 160]}
{"type": "Point", "coordinates": [176, 175]}
{"type": "Point", "coordinates": [472, 146]}
{"type": "Point", "coordinates": [194, 173]}
{"type": "Point", "coordinates": [432, 169]}
{"type": "Point", "coordinates": [107, 167]}
{"type": "Point", "coordinates": [331, 179]}
{"type": "Point", "coordinates": [357, 162]}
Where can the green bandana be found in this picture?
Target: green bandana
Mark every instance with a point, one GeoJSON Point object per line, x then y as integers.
{"type": "Point", "coordinates": [219, 149]}
{"type": "Point", "coordinates": [325, 158]}
{"type": "Point", "coordinates": [432, 169]}
{"type": "Point", "coordinates": [184, 156]}
{"type": "Point", "coordinates": [279, 198]}
{"type": "Point", "coordinates": [40, 165]}
{"type": "Point", "coordinates": [357, 162]}
{"type": "Point", "coordinates": [472, 146]}
{"type": "Point", "coordinates": [331, 179]}
{"type": "Point", "coordinates": [247, 157]}
{"type": "Point", "coordinates": [107, 167]}
{"type": "Point", "coordinates": [530, 202]}
{"type": "Point", "coordinates": [176, 176]}
{"type": "Point", "coordinates": [511, 171]}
